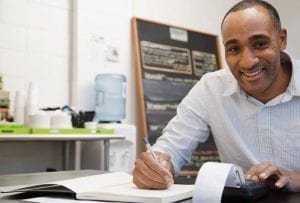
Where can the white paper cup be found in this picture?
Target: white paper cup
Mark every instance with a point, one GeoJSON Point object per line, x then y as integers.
{"type": "Point", "coordinates": [33, 94]}
{"type": "Point", "coordinates": [19, 115]}
{"type": "Point", "coordinates": [19, 107]}
{"type": "Point", "coordinates": [20, 98]}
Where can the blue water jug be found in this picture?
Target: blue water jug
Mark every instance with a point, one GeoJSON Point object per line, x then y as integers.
{"type": "Point", "coordinates": [110, 97]}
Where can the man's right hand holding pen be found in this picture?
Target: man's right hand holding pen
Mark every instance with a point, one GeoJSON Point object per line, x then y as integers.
{"type": "Point", "coordinates": [150, 173]}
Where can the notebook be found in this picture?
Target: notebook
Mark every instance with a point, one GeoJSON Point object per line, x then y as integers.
{"type": "Point", "coordinates": [115, 186]}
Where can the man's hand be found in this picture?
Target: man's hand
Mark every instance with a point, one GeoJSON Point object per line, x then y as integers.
{"type": "Point", "coordinates": [150, 174]}
{"type": "Point", "coordinates": [281, 178]}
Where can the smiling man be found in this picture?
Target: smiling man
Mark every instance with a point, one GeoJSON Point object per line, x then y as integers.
{"type": "Point", "coordinates": [253, 51]}
{"type": "Point", "coordinates": [252, 109]}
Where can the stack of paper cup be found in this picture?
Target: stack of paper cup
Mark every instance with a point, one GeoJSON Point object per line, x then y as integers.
{"type": "Point", "coordinates": [19, 108]}
{"type": "Point", "coordinates": [32, 101]}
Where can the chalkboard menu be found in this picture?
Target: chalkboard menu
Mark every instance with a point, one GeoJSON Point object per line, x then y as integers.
{"type": "Point", "coordinates": [169, 61]}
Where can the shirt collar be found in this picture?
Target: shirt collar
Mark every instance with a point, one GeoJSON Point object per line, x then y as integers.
{"type": "Point", "coordinates": [233, 86]}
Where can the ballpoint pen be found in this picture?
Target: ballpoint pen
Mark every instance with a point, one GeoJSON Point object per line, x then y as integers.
{"type": "Point", "coordinates": [149, 148]}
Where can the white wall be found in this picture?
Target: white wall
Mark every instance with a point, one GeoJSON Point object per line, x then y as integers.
{"type": "Point", "coordinates": [289, 13]}
{"type": "Point", "coordinates": [62, 45]}
{"type": "Point", "coordinates": [99, 25]}
{"type": "Point", "coordinates": [34, 46]}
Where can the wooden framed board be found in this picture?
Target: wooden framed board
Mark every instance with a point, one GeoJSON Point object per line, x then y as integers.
{"type": "Point", "coordinates": [169, 61]}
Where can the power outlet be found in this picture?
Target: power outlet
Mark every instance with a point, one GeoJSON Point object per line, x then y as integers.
{"type": "Point", "coordinates": [113, 54]}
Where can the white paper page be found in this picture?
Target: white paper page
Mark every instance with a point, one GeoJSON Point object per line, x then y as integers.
{"type": "Point", "coordinates": [132, 190]}
{"type": "Point", "coordinates": [131, 193]}
{"type": "Point", "coordinates": [96, 182]}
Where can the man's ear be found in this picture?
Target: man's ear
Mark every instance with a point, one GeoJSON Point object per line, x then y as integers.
{"type": "Point", "coordinates": [283, 39]}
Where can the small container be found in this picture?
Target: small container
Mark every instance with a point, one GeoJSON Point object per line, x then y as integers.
{"type": "Point", "coordinates": [110, 97]}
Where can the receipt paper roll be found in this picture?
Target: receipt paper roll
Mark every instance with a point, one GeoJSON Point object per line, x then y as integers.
{"type": "Point", "coordinates": [212, 178]}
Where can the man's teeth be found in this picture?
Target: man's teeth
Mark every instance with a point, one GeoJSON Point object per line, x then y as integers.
{"type": "Point", "coordinates": [253, 73]}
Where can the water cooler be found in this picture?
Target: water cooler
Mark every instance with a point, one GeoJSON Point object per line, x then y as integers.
{"type": "Point", "coordinates": [110, 105]}
{"type": "Point", "coordinates": [110, 98]}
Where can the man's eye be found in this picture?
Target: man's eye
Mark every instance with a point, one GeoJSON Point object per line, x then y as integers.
{"type": "Point", "coordinates": [233, 50]}
{"type": "Point", "coordinates": [260, 44]}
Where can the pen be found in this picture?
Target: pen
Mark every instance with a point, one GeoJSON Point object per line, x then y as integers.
{"type": "Point", "coordinates": [149, 148]}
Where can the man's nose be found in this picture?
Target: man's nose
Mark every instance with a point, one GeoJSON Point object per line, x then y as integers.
{"type": "Point", "coordinates": [248, 58]}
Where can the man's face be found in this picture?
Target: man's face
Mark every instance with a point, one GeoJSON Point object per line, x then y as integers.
{"type": "Point", "coordinates": [252, 50]}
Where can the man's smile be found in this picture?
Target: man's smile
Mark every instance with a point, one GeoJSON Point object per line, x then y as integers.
{"type": "Point", "coordinates": [252, 75]}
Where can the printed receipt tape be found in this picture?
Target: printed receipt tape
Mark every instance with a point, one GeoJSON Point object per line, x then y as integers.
{"type": "Point", "coordinates": [212, 178]}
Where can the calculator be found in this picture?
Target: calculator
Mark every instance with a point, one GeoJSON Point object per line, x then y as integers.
{"type": "Point", "coordinates": [249, 191]}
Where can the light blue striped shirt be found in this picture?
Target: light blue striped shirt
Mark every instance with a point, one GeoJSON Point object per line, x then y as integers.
{"type": "Point", "coordinates": [245, 130]}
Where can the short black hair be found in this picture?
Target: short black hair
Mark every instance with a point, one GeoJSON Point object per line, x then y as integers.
{"type": "Point", "coordinates": [244, 4]}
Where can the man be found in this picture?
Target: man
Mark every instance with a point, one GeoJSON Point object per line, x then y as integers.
{"type": "Point", "coordinates": [252, 109]}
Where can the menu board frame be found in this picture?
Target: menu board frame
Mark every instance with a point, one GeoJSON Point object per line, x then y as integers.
{"type": "Point", "coordinates": [169, 61]}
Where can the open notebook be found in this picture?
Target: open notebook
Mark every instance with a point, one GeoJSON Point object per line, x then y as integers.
{"type": "Point", "coordinates": [115, 186]}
